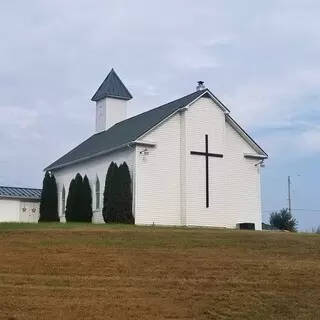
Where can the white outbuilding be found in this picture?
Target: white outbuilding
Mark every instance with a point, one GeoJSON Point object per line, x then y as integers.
{"type": "Point", "coordinates": [19, 204]}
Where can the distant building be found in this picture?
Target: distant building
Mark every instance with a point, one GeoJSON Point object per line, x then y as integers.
{"type": "Point", "coordinates": [19, 204]}
{"type": "Point", "coordinates": [191, 163]}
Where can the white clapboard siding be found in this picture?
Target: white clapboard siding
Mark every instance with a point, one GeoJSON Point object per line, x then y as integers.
{"type": "Point", "coordinates": [169, 183]}
{"type": "Point", "coordinates": [243, 187]}
{"type": "Point", "coordinates": [29, 211]}
{"type": "Point", "coordinates": [19, 210]}
{"type": "Point", "coordinates": [96, 167]}
{"type": "Point", "coordinates": [205, 117]}
{"type": "Point", "coordinates": [9, 210]}
{"type": "Point", "coordinates": [158, 176]}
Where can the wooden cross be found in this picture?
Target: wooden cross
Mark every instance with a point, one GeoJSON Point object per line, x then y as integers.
{"type": "Point", "coordinates": [207, 155]}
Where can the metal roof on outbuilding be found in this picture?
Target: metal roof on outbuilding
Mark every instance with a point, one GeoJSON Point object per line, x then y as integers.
{"type": "Point", "coordinates": [21, 193]}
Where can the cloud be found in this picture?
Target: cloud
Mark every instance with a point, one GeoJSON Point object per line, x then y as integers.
{"type": "Point", "coordinates": [17, 117]}
{"type": "Point", "coordinates": [259, 57]}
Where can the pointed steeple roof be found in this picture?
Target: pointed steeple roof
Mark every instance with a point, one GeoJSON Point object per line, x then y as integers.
{"type": "Point", "coordinates": [112, 87]}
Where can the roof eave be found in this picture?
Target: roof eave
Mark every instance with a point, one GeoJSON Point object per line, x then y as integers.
{"type": "Point", "coordinates": [254, 156]}
{"type": "Point", "coordinates": [217, 101]}
{"type": "Point", "coordinates": [20, 198]}
{"type": "Point", "coordinates": [246, 136]}
{"type": "Point", "coordinates": [55, 167]}
{"type": "Point", "coordinates": [94, 98]}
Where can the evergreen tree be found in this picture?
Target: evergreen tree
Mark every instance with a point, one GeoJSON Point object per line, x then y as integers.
{"type": "Point", "coordinates": [49, 200]}
{"type": "Point", "coordinates": [87, 200]}
{"type": "Point", "coordinates": [78, 204]}
{"type": "Point", "coordinates": [115, 197]}
{"type": "Point", "coordinates": [108, 187]}
{"type": "Point", "coordinates": [70, 202]}
{"type": "Point", "coordinates": [124, 195]}
{"type": "Point", "coordinates": [45, 198]}
{"type": "Point", "coordinates": [54, 199]}
{"type": "Point", "coordinates": [283, 220]}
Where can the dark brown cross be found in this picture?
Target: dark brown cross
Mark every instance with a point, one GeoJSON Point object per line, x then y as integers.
{"type": "Point", "coordinates": [207, 155]}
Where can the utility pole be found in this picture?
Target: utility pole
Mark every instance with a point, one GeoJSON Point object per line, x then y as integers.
{"type": "Point", "coordinates": [289, 194]}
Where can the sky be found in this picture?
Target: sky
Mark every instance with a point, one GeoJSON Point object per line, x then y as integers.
{"type": "Point", "coordinates": [261, 58]}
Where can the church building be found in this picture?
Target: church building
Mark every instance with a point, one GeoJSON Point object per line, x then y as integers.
{"type": "Point", "coordinates": [191, 163]}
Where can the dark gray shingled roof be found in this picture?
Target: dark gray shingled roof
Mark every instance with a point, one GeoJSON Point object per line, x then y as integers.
{"type": "Point", "coordinates": [112, 87]}
{"type": "Point", "coordinates": [21, 193]}
{"type": "Point", "coordinates": [123, 132]}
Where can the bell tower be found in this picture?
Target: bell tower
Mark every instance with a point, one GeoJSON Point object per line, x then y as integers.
{"type": "Point", "coordinates": [111, 102]}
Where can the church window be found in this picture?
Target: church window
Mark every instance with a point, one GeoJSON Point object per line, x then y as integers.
{"type": "Point", "coordinates": [63, 201]}
{"type": "Point", "coordinates": [97, 193]}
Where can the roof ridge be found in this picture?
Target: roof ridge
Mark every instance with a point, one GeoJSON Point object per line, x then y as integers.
{"type": "Point", "coordinates": [125, 131]}
{"type": "Point", "coordinates": [163, 105]}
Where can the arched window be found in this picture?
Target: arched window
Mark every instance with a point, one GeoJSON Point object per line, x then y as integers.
{"type": "Point", "coordinates": [97, 193]}
{"type": "Point", "coordinates": [63, 201]}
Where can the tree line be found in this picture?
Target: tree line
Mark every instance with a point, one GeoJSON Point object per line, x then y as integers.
{"type": "Point", "coordinates": [117, 198]}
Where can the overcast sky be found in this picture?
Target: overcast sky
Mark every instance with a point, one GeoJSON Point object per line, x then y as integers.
{"type": "Point", "coordinates": [261, 58]}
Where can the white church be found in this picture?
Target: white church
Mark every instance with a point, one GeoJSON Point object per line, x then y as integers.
{"type": "Point", "coordinates": [191, 163]}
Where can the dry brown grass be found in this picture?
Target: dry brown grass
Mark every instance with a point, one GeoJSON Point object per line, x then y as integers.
{"type": "Point", "coordinates": [161, 273]}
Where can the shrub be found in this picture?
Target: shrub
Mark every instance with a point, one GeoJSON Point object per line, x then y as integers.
{"type": "Point", "coordinates": [49, 199]}
{"type": "Point", "coordinates": [87, 200]}
{"type": "Point", "coordinates": [70, 202]}
{"type": "Point", "coordinates": [283, 220]}
{"type": "Point", "coordinates": [117, 196]}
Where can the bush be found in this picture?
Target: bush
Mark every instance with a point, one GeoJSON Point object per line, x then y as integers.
{"type": "Point", "coordinates": [87, 200]}
{"type": "Point", "coordinates": [283, 220]}
{"type": "Point", "coordinates": [124, 201]}
{"type": "Point", "coordinates": [117, 201]}
{"type": "Point", "coordinates": [79, 201]}
{"type": "Point", "coordinates": [70, 202]}
{"type": "Point", "coordinates": [49, 199]}
{"type": "Point", "coordinates": [107, 210]}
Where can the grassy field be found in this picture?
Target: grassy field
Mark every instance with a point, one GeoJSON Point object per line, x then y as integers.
{"type": "Point", "coordinates": [116, 272]}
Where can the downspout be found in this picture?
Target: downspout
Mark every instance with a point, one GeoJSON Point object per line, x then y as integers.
{"type": "Point", "coordinates": [134, 179]}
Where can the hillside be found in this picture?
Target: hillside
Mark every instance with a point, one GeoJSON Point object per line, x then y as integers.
{"type": "Point", "coordinates": [101, 272]}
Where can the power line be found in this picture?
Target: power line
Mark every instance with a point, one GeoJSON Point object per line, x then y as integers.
{"type": "Point", "coordinates": [309, 210]}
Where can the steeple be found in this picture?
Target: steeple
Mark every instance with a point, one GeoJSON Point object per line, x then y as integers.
{"type": "Point", "coordinates": [112, 87]}
{"type": "Point", "coordinates": [111, 102]}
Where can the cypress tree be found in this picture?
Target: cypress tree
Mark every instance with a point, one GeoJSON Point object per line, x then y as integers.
{"type": "Point", "coordinates": [78, 208]}
{"type": "Point", "coordinates": [49, 200]}
{"type": "Point", "coordinates": [87, 200]}
{"type": "Point", "coordinates": [45, 198]}
{"type": "Point", "coordinates": [70, 202]}
{"type": "Point", "coordinates": [116, 195]}
{"type": "Point", "coordinates": [122, 195]}
{"type": "Point", "coordinates": [108, 189]}
{"type": "Point", "coordinates": [126, 195]}
{"type": "Point", "coordinates": [54, 214]}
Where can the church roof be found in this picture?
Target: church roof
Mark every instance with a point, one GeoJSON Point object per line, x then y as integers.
{"type": "Point", "coordinates": [112, 87]}
{"type": "Point", "coordinates": [21, 193]}
{"type": "Point", "coordinates": [123, 133]}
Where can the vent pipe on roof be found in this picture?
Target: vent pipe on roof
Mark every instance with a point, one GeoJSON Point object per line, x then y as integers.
{"type": "Point", "coordinates": [200, 86]}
